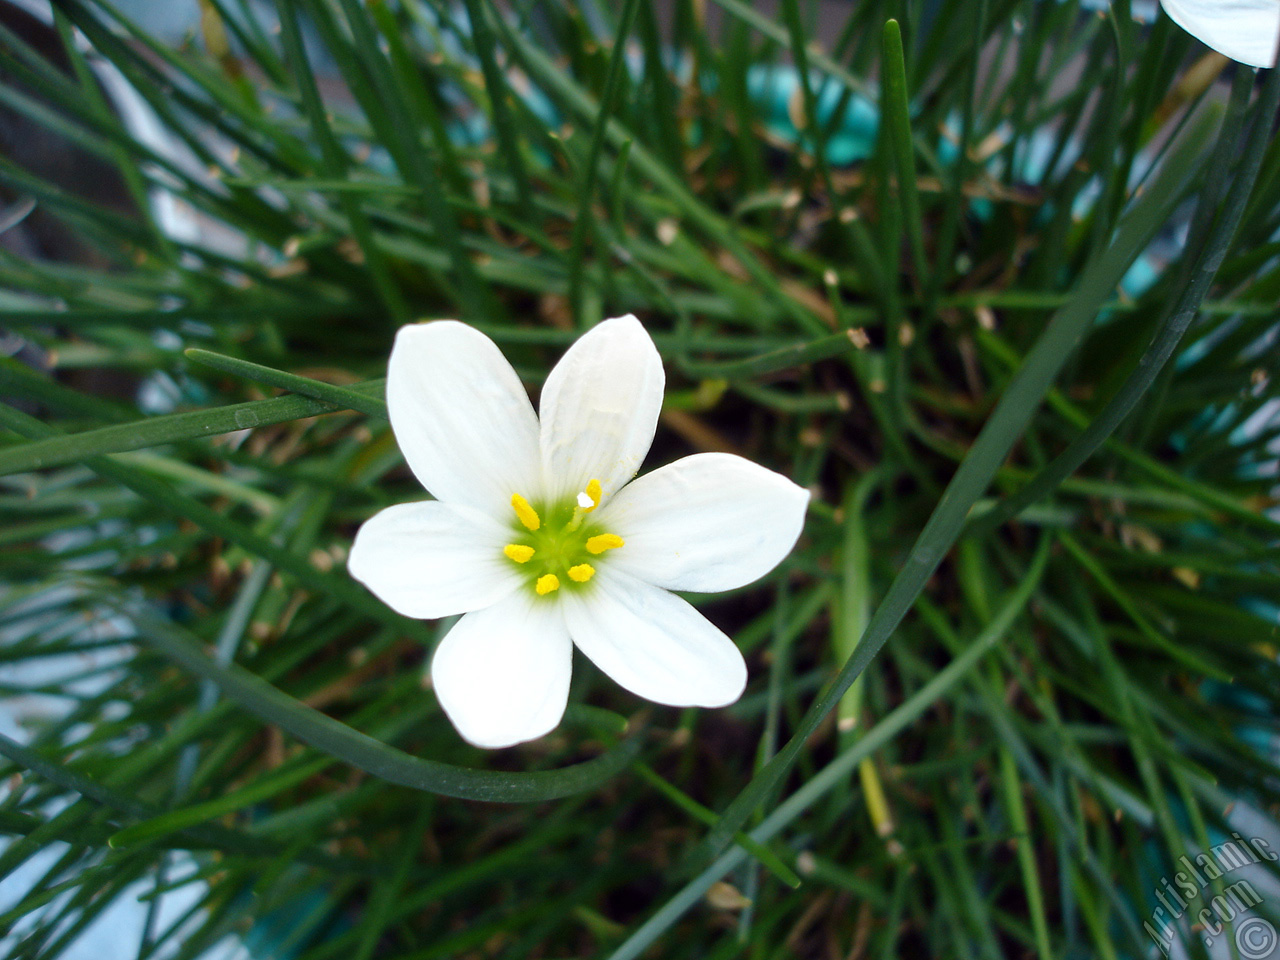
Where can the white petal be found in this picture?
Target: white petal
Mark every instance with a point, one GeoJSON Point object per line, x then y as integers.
{"type": "Point", "coordinates": [654, 643]}
{"type": "Point", "coordinates": [463, 421]}
{"type": "Point", "coordinates": [706, 523]}
{"type": "Point", "coordinates": [600, 408]}
{"type": "Point", "coordinates": [502, 673]}
{"type": "Point", "coordinates": [1244, 30]}
{"type": "Point", "coordinates": [430, 559]}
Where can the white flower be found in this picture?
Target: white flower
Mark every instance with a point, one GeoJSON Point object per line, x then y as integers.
{"type": "Point", "coordinates": [539, 539]}
{"type": "Point", "coordinates": [1244, 30]}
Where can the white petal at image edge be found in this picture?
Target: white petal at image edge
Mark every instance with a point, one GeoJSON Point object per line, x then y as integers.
{"type": "Point", "coordinates": [502, 673]}
{"type": "Point", "coordinates": [599, 408]}
{"type": "Point", "coordinates": [427, 560]}
{"type": "Point", "coordinates": [462, 418]}
{"type": "Point", "coordinates": [706, 523]}
{"type": "Point", "coordinates": [1244, 30]}
{"type": "Point", "coordinates": [653, 643]}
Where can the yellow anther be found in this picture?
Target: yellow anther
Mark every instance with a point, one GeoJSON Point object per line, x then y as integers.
{"type": "Point", "coordinates": [547, 584]}
{"type": "Point", "coordinates": [603, 542]}
{"type": "Point", "coordinates": [518, 552]}
{"type": "Point", "coordinates": [593, 493]}
{"type": "Point", "coordinates": [582, 573]}
{"type": "Point", "coordinates": [528, 516]}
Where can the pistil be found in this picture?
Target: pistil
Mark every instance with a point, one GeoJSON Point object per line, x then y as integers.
{"type": "Point", "coordinates": [587, 500]}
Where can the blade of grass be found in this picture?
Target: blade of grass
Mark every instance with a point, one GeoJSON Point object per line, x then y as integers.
{"type": "Point", "coordinates": [896, 114]}
{"type": "Point", "coordinates": [696, 810]}
{"type": "Point", "coordinates": [545, 71]}
{"type": "Point", "coordinates": [495, 85]}
{"type": "Point", "coordinates": [363, 397]}
{"type": "Point", "coordinates": [260, 790]}
{"type": "Point", "coordinates": [185, 507]}
{"type": "Point", "coordinates": [1109, 586]}
{"type": "Point", "coordinates": [379, 759]}
{"type": "Point", "coordinates": [177, 427]}
{"type": "Point", "coordinates": [587, 188]}
{"type": "Point", "coordinates": [1001, 431]}
{"type": "Point", "coordinates": [387, 111]}
{"type": "Point", "coordinates": [1012, 788]}
{"type": "Point", "coordinates": [205, 836]}
{"type": "Point", "coordinates": [334, 161]}
{"type": "Point", "coordinates": [836, 773]}
{"type": "Point", "coordinates": [1181, 311]}
{"type": "Point", "coordinates": [778, 34]}
{"type": "Point", "coordinates": [1172, 480]}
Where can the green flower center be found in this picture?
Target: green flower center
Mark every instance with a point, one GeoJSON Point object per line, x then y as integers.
{"type": "Point", "coordinates": [558, 545]}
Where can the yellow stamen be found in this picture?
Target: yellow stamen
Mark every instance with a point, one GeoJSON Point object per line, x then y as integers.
{"type": "Point", "coordinates": [586, 501]}
{"type": "Point", "coordinates": [528, 516]}
{"type": "Point", "coordinates": [582, 573]}
{"type": "Point", "coordinates": [595, 493]}
{"type": "Point", "coordinates": [518, 552]}
{"type": "Point", "coordinates": [547, 584]}
{"type": "Point", "coordinates": [603, 542]}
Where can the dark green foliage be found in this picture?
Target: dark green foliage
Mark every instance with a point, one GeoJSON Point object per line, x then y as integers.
{"type": "Point", "coordinates": [1019, 663]}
